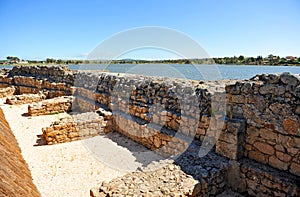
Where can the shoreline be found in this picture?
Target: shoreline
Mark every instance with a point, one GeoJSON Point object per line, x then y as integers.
{"type": "Point", "coordinates": [156, 63]}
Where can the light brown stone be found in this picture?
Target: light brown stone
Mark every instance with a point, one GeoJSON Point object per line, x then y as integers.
{"type": "Point", "coordinates": [295, 168]}
{"type": "Point", "coordinates": [297, 111]}
{"type": "Point", "coordinates": [156, 142]}
{"type": "Point", "coordinates": [257, 156]}
{"type": "Point", "coordinates": [238, 99]}
{"type": "Point", "coordinates": [268, 134]}
{"type": "Point", "coordinates": [275, 162]}
{"type": "Point", "coordinates": [283, 156]}
{"type": "Point", "coordinates": [290, 126]}
{"type": "Point", "coordinates": [264, 148]}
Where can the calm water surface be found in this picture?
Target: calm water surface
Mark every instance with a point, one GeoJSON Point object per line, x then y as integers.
{"type": "Point", "coordinates": [196, 72]}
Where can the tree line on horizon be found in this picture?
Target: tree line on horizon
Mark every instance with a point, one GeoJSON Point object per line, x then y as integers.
{"type": "Point", "coordinates": [240, 60]}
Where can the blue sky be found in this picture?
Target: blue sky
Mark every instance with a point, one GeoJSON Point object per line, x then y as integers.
{"type": "Point", "coordinates": [73, 28]}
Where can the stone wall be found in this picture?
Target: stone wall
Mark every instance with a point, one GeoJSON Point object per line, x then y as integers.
{"type": "Point", "coordinates": [78, 127]}
{"type": "Point", "coordinates": [270, 105]}
{"type": "Point", "coordinates": [15, 176]}
{"type": "Point", "coordinates": [53, 81]}
{"type": "Point", "coordinates": [252, 178]}
{"type": "Point", "coordinates": [7, 91]}
{"type": "Point", "coordinates": [189, 175]}
{"type": "Point", "coordinates": [266, 108]}
{"type": "Point", "coordinates": [261, 121]}
{"type": "Point", "coordinates": [25, 98]}
{"type": "Point", "coordinates": [51, 106]}
{"type": "Point", "coordinates": [54, 73]}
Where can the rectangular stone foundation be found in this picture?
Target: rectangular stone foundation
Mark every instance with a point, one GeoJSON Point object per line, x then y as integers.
{"type": "Point", "coordinates": [78, 127]}
{"type": "Point", "coordinates": [51, 106]}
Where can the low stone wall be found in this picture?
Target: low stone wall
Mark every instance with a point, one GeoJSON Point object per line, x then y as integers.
{"type": "Point", "coordinates": [25, 99]}
{"type": "Point", "coordinates": [261, 121]}
{"type": "Point", "coordinates": [15, 176]}
{"type": "Point", "coordinates": [252, 178]}
{"type": "Point", "coordinates": [7, 91]}
{"type": "Point", "coordinates": [78, 127]}
{"type": "Point", "coordinates": [153, 137]}
{"type": "Point", "coordinates": [52, 80]}
{"type": "Point", "coordinates": [270, 105]}
{"type": "Point", "coordinates": [51, 106]}
{"type": "Point", "coordinates": [55, 73]}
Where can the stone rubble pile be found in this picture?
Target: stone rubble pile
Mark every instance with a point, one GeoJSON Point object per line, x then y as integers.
{"type": "Point", "coordinates": [7, 91]}
{"type": "Point", "coordinates": [25, 98]}
{"type": "Point", "coordinates": [167, 181]}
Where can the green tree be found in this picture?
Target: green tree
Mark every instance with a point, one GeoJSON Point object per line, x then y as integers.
{"type": "Point", "coordinates": [12, 58]}
{"type": "Point", "coordinates": [241, 58]}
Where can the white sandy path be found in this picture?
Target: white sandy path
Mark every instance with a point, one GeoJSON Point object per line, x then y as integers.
{"type": "Point", "coordinates": [66, 169]}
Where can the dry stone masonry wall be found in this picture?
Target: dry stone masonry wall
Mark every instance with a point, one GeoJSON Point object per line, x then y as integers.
{"type": "Point", "coordinates": [25, 99]}
{"type": "Point", "coordinates": [51, 106]}
{"type": "Point", "coordinates": [78, 126]}
{"type": "Point", "coordinates": [261, 123]}
{"type": "Point", "coordinates": [53, 81]}
{"type": "Point", "coordinates": [270, 105]}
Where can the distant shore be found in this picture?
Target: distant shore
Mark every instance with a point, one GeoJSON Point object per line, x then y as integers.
{"type": "Point", "coordinates": [270, 60]}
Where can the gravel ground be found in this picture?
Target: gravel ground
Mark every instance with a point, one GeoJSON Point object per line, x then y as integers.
{"type": "Point", "coordinates": [72, 169]}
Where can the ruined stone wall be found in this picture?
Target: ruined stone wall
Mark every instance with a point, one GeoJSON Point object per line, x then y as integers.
{"type": "Point", "coordinates": [7, 91]}
{"type": "Point", "coordinates": [24, 98]}
{"type": "Point", "coordinates": [262, 113]}
{"type": "Point", "coordinates": [15, 176]}
{"type": "Point", "coordinates": [54, 73]}
{"type": "Point", "coordinates": [270, 104]}
{"type": "Point", "coordinates": [255, 179]}
{"type": "Point", "coordinates": [261, 123]}
{"type": "Point", "coordinates": [53, 81]}
{"type": "Point", "coordinates": [78, 127]}
{"type": "Point", "coordinates": [51, 106]}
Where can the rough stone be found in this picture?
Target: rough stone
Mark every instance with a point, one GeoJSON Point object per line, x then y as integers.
{"type": "Point", "coordinates": [264, 148]}
{"type": "Point", "coordinates": [291, 126]}
{"type": "Point", "coordinates": [274, 161]}
{"type": "Point", "coordinates": [289, 79]}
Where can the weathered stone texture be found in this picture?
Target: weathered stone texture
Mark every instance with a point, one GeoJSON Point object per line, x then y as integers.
{"type": "Point", "coordinates": [51, 106]}
{"type": "Point", "coordinates": [25, 98]}
{"type": "Point", "coordinates": [78, 126]}
{"type": "Point", "coordinates": [261, 180]}
{"type": "Point", "coordinates": [167, 181]}
{"type": "Point", "coordinates": [261, 120]}
{"type": "Point", "coordinates": [7, 91]}
{"type": "Point", "coordinates": [270, 110]}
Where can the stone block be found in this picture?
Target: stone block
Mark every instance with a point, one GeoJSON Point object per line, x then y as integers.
{"type": "Point", "coordinates": [264, 148]}
{"type": "Point", "coordinates": [275, 162]}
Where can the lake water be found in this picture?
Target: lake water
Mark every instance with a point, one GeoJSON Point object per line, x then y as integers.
{"type": "Point", "coordinates": [196, 72]}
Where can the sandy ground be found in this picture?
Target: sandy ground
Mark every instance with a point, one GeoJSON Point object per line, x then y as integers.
{"type": "Point", "coordinates": [72, 169]}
